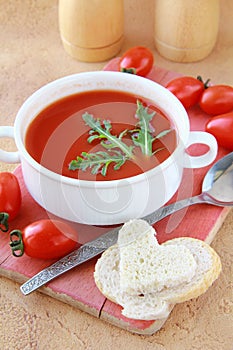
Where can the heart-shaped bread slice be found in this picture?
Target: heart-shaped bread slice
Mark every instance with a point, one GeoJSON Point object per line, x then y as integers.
{"type": "Point", "coordinates": [156, 305]}
{"type": "Point", "coordinates": [147, 267]}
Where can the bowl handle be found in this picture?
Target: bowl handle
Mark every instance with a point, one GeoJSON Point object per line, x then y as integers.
{"type": "Point", "coordinates": [201, 137]}
{"type": "Point", "coordinates": [5, 156]}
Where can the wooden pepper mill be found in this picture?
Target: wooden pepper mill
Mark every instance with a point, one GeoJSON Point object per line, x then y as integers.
{"type": "Point", "coordinates": [186, 30]}
{"type": "Point", "coordinates": [91, 30]}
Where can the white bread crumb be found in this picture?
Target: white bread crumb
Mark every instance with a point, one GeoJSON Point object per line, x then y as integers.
{"type": "Point", "coordinates": [157, 304]}
{"type": "Point", "coordinates": [147, 267]}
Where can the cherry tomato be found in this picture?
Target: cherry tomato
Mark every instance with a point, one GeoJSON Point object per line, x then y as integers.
{"type": "Point", "coordinates": [221, 126]}
{"type": "Point", "coordinates": [217, 99]}
{"type": "Point", "coordinates": [44, 239]}
{"type": "Point", "coordinates": [137, 60]}
{"type": "Point", "coordinates": [187, 89]}
{"type": "Point", "coordinates": [10, 199]}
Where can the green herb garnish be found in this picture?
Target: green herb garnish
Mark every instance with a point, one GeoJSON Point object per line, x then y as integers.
{"type": "Point", "coordinates": [98, 162]}
{"type": "Point", "coordinates": [103, 132]}
{"type": "Point", "coordinates": [117, 151]}
{"type": "Point", "coordinates": [142, 136]}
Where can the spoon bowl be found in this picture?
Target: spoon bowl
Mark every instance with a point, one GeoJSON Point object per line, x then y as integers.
{"type": "Point", "coordinates": [218, 182]}
{"type": "Point", "coordinates": [217, 189]}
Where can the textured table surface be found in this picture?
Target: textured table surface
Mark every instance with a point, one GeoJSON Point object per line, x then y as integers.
{"type": "Point", "coordinates": [31, 55]}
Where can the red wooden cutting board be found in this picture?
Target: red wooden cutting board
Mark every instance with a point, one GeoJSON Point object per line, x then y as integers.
{"type": "Point", "coordinates": [77, 287]}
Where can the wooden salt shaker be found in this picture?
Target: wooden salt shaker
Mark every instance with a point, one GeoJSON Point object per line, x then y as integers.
{"type": "Point", "coordinates": [91, 30]}
{"type": "Point", "coordinates": [186, 30]}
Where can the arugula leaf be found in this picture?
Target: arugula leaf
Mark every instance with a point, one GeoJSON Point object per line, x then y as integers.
{"type": "Point", "coordinates": [142, 136]}
{"type": "Point", "coordinates": [103, 132]}
{"type": "Point", "coordinates": [98, 162]}
{"type": "Point", "coordinates": [117, 151]}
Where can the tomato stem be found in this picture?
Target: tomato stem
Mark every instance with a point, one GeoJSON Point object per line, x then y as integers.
{"type": "Point", "coordinates": [129, 70]}
{"type": "Point", "coordinates": [4, 226]}
{"type": "Point", "coordinates": [16, 243]}
{"type": "Point", "coordinates": [206, 83]}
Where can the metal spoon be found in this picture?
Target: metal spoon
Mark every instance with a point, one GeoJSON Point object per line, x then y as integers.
{"type": "Point", "coordinates": [217, 189]}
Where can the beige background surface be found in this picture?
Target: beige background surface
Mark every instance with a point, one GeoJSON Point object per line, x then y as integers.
{"type": "Point", "coordinates": [31, 55]}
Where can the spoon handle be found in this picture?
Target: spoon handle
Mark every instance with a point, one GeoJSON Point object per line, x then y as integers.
{"type": "Point", "coordinates": [97, 246]}
{"type": "Point", "coordinates": [172, 208]}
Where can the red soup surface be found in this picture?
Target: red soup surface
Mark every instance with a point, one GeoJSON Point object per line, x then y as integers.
{"type": "Point", "coordinates": [59, 134]}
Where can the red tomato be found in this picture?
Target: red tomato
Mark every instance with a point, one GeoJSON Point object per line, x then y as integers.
{"type": "Point", "coordinates": [187, 89]}
{"type": "Point", "coordinates": [45, 239]}
{"type": "Point", "coordinates": [10, 198]}
{"type": "Point", "coordinates": [221, 126]}
{"type": "Point", "coordinates": [137, 60]}
{"type": "Point", "coordinates": [217, 99]}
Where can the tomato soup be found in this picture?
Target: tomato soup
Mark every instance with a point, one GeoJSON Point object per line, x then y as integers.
{"type": "Point", "coordinates": [58, 134]}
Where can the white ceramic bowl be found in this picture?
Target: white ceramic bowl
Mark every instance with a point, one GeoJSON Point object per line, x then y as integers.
{"type": "Point", "coordinates": [106, 202]}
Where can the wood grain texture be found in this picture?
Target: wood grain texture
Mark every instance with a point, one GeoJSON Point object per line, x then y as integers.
{"type": "Point", "coordinates": [189, 32]}
{"type": "Point", "coordinates": [91, 31]}
{"type": "Point", "coordinates": [77, 287]}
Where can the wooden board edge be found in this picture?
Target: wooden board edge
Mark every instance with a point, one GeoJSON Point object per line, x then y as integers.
{"type": "Point", "coordinates": [20, 279]}
{"type": "Point", "coordinates": [127, 326]}
{"type": "Point", "coordinates": [209, 239]}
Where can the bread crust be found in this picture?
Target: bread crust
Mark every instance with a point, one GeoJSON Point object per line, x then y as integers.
{"type": "Point", "coordinates": [205, 279]}
{"type": "Point", "coordinates": [208, 269]}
